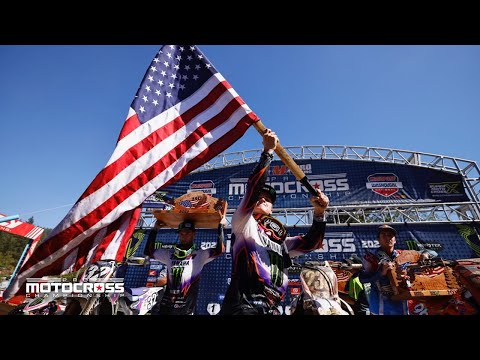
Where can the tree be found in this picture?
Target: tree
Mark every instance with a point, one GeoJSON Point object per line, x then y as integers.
{"type": "Point", "coordinates": [11, 248]}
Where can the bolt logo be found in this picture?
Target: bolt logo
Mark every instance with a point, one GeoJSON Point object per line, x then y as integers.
{"type": "Point", "coordinates": [177, 272]}
{"type": "Point", "coordinates": [384, 184]}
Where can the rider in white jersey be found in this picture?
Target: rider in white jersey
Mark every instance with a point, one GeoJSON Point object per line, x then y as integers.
{"type": "Point", "coordinates": [261, 249]}
{"type": "Point", "coordinates": [184, 264]}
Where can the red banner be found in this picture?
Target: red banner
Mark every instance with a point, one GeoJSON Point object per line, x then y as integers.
{"type": "Point", "coordinates": [21, 228]}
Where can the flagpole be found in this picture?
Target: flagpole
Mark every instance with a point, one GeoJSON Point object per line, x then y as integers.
{"type": "Point", "coordinates": [287, 160]}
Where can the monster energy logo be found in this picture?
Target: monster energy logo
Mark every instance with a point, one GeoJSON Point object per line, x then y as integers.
{"type": "Point", "coordinates": [465, 232]}
{"type": "Point", "coordinates": [276, 268]}
{"type": "Point", "coordinates": [412, 245]}
{"type": "Point", "coordinates": [177, 272]}
{"type": "Point", "coordinates": [132, 247]}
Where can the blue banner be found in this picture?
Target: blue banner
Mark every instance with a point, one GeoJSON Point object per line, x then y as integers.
{"type": "Point", "coordinates": [345, 182]}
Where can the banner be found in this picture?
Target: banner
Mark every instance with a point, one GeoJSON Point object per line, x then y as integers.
{"type": "Point", "coordinates": [345, 182]}
{"type": "Point", "coordinates": [21, 228]}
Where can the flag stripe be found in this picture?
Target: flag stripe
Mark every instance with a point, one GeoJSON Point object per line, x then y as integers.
{"type": "Point", "coordinates": [130, 124]}
{"type": "Point", "coordinates": [220, 145]}
{"type": "Point", "coordinates": [110, 206]}
{"type": "Point", "coordinates": [154, 155]}
{"type": "Point", "coordinates": [183, 114]}
{"type": "Point", "coordinates": [142, 143]}
{"type": "Point", "coordinates": [181, 109]}
{"type": "Point", "coordinates": [132, 170]}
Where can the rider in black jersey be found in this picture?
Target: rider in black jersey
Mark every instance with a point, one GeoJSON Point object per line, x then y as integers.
{"type": "Point", "coordinates": [261, 249]}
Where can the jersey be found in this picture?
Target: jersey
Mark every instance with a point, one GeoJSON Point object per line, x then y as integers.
{"type": "Point", "coordinates": [260, 262]}
{"type": "Point", "coordinates": [183, 276]}
{"type": "Point", "coordinates": [381, 289]}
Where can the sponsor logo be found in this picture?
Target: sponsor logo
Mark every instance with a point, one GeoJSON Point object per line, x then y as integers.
{"type": "Point", "coordinates": [294, 282]}
{"type": "Point", "coordinates": [206, 186]}
{"type": "Point", "coordinates": [157, 266]}
{"type": "Point", "coordinates": [152, 273]}
{"type": "Point", "coordinates": [384, 184]}
{"type": "Point", "coordinates": [445, 189]}
{"type": "Point", "coordinates": [270, 223]}
{"type": "Point", "coordinates": [284, 170]}
{"type": "Point", "coordinates": [265, 241]}
{"type": "Point", "coordinates": [276, 268]}
{"type": "Point", "coordinates": [295, 291]}
{"type": "Point", "coordinates": [181, 262]}
{"type": "Point", "coordinates": [177, 272]}
{"type": "Point", "coordinates": [413, 245]}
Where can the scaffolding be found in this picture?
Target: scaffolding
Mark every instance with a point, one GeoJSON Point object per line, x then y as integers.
{"type": "Point", "coordinates": [367, 214]}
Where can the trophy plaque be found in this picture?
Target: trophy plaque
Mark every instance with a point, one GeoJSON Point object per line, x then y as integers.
{"type": "Point", "coordinates": [411, 280]}
{"type": "Point", "coordinates": [204, 210]}
{"type": "Point", "coordinates": [468, 272]}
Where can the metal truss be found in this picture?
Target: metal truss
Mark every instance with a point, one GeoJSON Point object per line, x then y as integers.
{"type": "Point", "coordinates": [467, 168]}
{"type": "Point", "coordinates": [363, 214]}
{"type": "Point", "coordinates": [146, 220]}
{"type": "Point", "coordinates": [367, 214]}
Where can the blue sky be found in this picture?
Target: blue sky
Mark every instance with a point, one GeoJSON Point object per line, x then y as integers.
{"type": "Point", "coordinates": [63, 106]}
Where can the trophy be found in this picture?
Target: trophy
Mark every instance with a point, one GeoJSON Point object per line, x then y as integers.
{"type": "Point", "coordinates": [204, 210]}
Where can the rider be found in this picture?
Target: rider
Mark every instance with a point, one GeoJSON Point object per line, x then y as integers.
{"type": "Point", "coordinates": [375, 270]}
{"type": "Point", "coordinates": [261, 248]}
{"type": "Point", "coordinates": [184, 264]}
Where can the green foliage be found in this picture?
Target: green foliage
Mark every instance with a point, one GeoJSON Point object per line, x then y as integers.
{"type": "Point", "coordinates": [11, 248]}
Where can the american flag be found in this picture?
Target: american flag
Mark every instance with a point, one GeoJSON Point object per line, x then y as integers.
{"type": "Point", "coordinates": [192, 203]}
{"type": "Point", "coordinates": [183, 114]}
{"type": "Point", "coordinates": [433, 271]}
